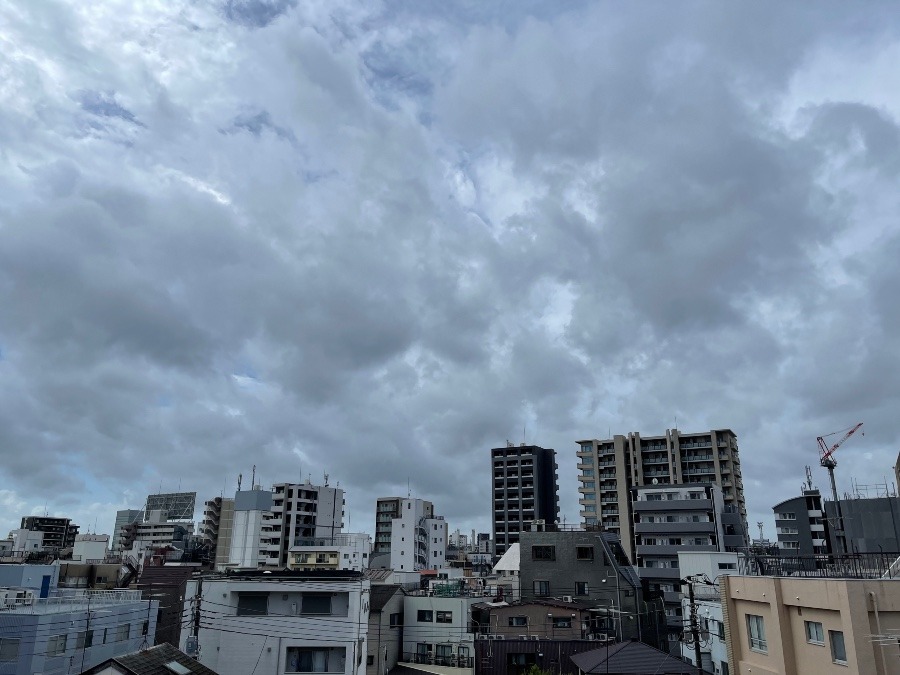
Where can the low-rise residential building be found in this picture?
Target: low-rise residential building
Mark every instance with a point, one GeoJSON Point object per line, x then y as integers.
{"type": "Point", "coordinates": [280, 622]}
{"type": "Point", "coordinates": [704, 570]}
{"type": "Point", "coordinates": [385, 628]}
{"type": "Point", "coordinates": [538, 620]}
{"type": "Point", "coordinates": [575, 564]}
{"type": "Point", "coordinates": [55, 630]}
{"type": "Point", "coordinates": [349, 551]}
{"type": "Point", "coordinates": [844, 619]}
{"type": "Point", "coordinates": [437, 630]}
{"type": "Point", "coordinates": [518, 656]}
{"type": "Point", "coordinates": [27, 541]}
{"type": "Point", "coordinates": [90, 548]}
{"type": "Point", "coordinates": [160, 660]}
{"type": "Point", "coordinates": [506, 572]}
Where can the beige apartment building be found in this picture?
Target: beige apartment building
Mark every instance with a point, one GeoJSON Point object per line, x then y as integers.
{"type": "Point", "coordinates": [609, 469]}
{"type": "Point", "coordinates": [811, 626]}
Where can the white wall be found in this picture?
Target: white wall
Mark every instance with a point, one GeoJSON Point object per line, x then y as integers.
{"type": "Point", "coordinates": [433, 633]}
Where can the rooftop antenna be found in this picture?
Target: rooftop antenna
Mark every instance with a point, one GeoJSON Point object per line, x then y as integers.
{"type": "Point", "coordinates": [253, 478]}
{"type": "Point", "coordinates": [408, 491]}
{"type": "Point", "coordinates": [240, 476]}
{"type": "Point", "coordinates": [809, 477]}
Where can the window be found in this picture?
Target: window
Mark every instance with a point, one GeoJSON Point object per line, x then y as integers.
{"type": "Point", "coordinates": [425, 616]}
{"type": "Point", "coordinates": [310, 660]}
{"type": "Point", "coordinates": [444, 617]}
{"type": "Point", "coordinates": [253, 604]}
{"type": "Point", "coordinates": [123, 632]}
{"type": "Point", "coordinates": [588, 484]}
{"type": "Point", "coordinates": [370, 660]}
{"type": "Point", "coordinates": [838, 649]}
{"type": "Point", "coordinates": [84, 639]}
{"type": "Point", "coordinates": [541, 588]}
{"type": "Point", "coordinates": [721, 630]}
{"type": "Point", "coordinates": [518, 621]}
{"type": "Point", "coordinates": [584, 552]}
{"type": "Point", "coordinates": [756, 629]}
{"type": "Point", "coordinates": [56, 645]}
{"type": "Point", "coordinates": [444, 651]}
{"type": "Point", "coordinates": [396, 620]}
{"type": "Point", "coordinates": [581, 588]}
{"type": "Point", "coordinates": [315, 603]}
{"type": "Point", "coordinates": [727, 566]}
{"type": "Point", "coordinates": [562, 622]}
{"type": "Point", "coordinates": [786, 516]}
{"type": "Point", "coordinates": [814, 632]}
{"type": "Point", "coordinates": [9, 649]}
{"type": "Point", "coordinates": [543, 553]}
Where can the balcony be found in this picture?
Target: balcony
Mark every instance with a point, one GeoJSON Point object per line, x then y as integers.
{"type": "Point", "coordinates": [674, 505]}
{"type": "Point", "coordinates": [672, 529]}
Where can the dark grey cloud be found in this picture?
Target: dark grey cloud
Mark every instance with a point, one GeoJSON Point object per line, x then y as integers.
{"type": "Point", "coordinates": [374, 241]}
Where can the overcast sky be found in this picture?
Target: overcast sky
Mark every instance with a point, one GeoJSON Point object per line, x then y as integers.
{"type": "Point", "coordinates": [375, 240]}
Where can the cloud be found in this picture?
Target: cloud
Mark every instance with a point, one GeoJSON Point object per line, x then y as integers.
{"type": "Point", "coordinates": [376, 241]}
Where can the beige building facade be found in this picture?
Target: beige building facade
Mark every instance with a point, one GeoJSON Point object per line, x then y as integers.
{"type": "Point", "coordinates": [811, 626]}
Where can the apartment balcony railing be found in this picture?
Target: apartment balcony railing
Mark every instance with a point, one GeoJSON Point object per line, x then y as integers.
{"type": "Point", "coordinates": [452, 661]}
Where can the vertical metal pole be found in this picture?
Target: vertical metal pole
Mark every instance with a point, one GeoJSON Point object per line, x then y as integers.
{"type": "Point", "coordinates": [695, 628]}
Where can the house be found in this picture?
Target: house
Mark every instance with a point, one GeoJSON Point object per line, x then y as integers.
{"type": "Point", "coordinates": [163, 659]}
{"type": "Point", "coordinates": [437, 629]}
{"type": "Point", "coordinates": [385, 628]}
{"type": "Point", "coordinates": [279, 622]}
{"type": "Point", "coordinates": [630, 658]}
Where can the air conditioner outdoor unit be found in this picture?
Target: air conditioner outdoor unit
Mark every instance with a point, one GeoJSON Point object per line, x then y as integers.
{"type": "Point", "coordinates": [599, 636]}
{"type": "Point", "coordinates": [481, 636]}
{"type": "Point", "coordinates": [498, 637]}
{"type": "Point", "coordinates": [524, 637]}
{"type": "Point", "coordinates": [568, 598]}
{"type": "Point", "coordinates": [535, 637]}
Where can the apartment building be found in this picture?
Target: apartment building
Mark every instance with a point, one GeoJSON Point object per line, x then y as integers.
{"type": "Point", "coordinates": [610, 468]}
{"type": "Point", "coordinates": [124, 517]}
{"type": "Point", "coordinates": [349, 551]}
{"type": "Point", "coordinates": [437, 630]}
{"type": "Point", "coordinates": [216, 529]}
{"type": "Point", "coordinates": [281, 622]}
{"type": "Point", "coordinates": [813, 626]}
{"type": "Point", "coordinates": [47, 629]}
{"type": "Point", "coordinates": [407, 530]}
{"type": "Point", "coordinates": [267, 524]}
{"type": "Point", "coordinates": [525, 489]}
{"type": "Point", "coordinates": [801, 526]}
{"type": "Point", "coordinates": [58, 532]}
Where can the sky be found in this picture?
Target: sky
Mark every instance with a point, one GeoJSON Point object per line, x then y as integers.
{"type": "Point", "coordinates": [376, 239]}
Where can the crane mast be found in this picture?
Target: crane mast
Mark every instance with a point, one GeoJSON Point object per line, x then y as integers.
{"type": "Point", "coordinates": [827, 460]}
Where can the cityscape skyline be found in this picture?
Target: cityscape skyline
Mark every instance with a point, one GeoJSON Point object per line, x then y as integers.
{"type": "Point", "coordinates": [377, 240]}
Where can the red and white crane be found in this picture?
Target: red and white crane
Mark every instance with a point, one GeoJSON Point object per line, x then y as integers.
{"type": "Point", "coordinates": [827, 460]}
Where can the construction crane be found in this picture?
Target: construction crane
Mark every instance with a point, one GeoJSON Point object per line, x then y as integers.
{"type": "Point", "coordinates": [827, 460]}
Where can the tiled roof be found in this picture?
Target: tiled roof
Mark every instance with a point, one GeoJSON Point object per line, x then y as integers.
{"type": "Point", "coordinates": [153, 662]}
{"type": "Point", "coordinates": [631, 657]}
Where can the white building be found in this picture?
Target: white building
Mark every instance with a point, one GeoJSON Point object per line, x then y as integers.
{"type": "Point", "coordinates": [348, 551]}
{"type": "Point", "coordinates": [707, 567]}
{"type": "Point", "coordinates": [436, 630]}
{"type": "Point", "coordinates": [282, 622]}
{"type": "Point", "coordinates": [27, 541]}
{"type": "Point", "coordinates": [142, 539]}
{"type": "Point", "coordinates": [90, 547]}
{"type": "Point", "coordinates": [506, 573]}
{"type": "Point", "coordinates": [415, 537]}
{"type": "Point", "coordinates": [267, 524]}
{"type": "Point", "coordinates": [68, 630]}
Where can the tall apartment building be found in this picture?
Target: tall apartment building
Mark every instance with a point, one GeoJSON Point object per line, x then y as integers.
{"type": "Point", "coordinates": [215, 530]}
{"type": "Point", "coordinates": [407, 530]}
{"type": "Point", "coordinates": [610, 468]}
{"type": "Point", "coordinates": [525, 489]}
{"type": "Point", "coordinates": [124, 517]}
{"type": "Point", "coordinates": [268, 523]}
{"type": "Point", "coordinates": [58, 532]}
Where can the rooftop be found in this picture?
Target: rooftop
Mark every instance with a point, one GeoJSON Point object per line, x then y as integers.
{"type": "Point", "coordinates": [68, 600]}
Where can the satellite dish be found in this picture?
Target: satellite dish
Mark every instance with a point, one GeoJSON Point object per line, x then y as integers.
{"type": "Point", "coordinates": [655, 481]}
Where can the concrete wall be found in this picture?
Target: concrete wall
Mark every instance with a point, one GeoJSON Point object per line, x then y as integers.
{"type": "Point", "coordinates": [385, 638]}
{"type": "Point", "coordinates": [838, 604]}
{"type": "Point", "coordinates": [432, 633]}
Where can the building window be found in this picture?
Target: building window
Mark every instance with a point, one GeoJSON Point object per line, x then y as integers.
{"type": "Point", "coordinates": [518, 621]}
{"type": "Point", "coordinates": [727, 566]}
{"type": "Point", "coordinates": [543, 553]}
{"type": "Point", "coordinates": [444, 617]}
{"type": "Point", "coordinates": [838, 649]}
{"type": "Point", "coordinates": [541, 588]}
{"type": "Point", "coordinates": [396, 620]}
{"type": "Point", "coordinates": [123, 632]}
{"type": "Point", "coordinates": [581, 588]}
{"type": "Point", "coordinates": [370, 660]}
{"type": "Point", "coordinates": [84, 639]}
{"type": "Point", "coordinates": [9, 649]}
{"type": "Point", "coordinates": [303, 660]}
{"type": "Point", "coordinates": [786, 516]}
{"type": "Point", "coordinates": [756, 629]}
{"type": "Point", "coordinates": [253, 604]}
{"type": "Point", "coordinates": [315, 603]}
{"type": "Point", "coordinates": [562, 622]}
{"type": "Point", "coordinates": [56, 645]}
{"type": "Point", "coordinates": [814, 632]}
{"type": "Point", "coordinates": [584, 552]}
{"type": "Point", "coordinates": [425, 616]}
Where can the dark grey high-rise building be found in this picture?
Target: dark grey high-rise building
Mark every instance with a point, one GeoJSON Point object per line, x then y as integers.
{"type": "Point", "coordinates": [525, 489]}
{"type": "Point", "coordinates": [58, 532]}
{"type": "Point", "coordinates": [871, 524]}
